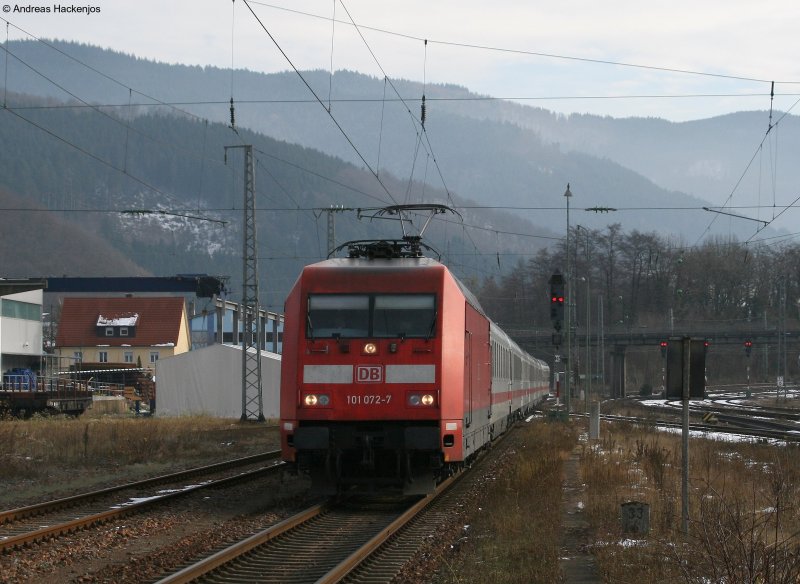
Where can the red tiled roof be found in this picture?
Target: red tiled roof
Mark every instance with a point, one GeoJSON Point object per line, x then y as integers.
{"type": "Point", "coordinates": [159, 321]}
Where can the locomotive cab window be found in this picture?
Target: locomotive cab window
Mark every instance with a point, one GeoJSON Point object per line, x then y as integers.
{"type": "Point", "coordinates": [338, 316]}
{"type": "Point", "coordinates": [349, 316]}
{"type": "Point", "coordinates": [404, 315]}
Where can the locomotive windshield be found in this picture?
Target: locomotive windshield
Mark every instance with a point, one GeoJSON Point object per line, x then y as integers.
{"type": "Point", "coordinates": [371, 315]}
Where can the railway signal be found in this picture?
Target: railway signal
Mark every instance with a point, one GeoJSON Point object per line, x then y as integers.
{"type": "Point", "coordinates": [557, 300]}
{"type": "Point", "coordinates": [686, 354]}
{"type": "Point", "coordinates": [663, 348]}
{"type": "Point", "coordinates": [748, 346]}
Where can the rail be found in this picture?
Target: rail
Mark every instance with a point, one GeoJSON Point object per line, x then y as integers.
{"type": "Point", "coordinates": [7, 518]}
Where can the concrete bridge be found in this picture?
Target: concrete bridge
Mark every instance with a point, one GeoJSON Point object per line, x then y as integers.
{"type": "Point", "coordinates": [616, 343]}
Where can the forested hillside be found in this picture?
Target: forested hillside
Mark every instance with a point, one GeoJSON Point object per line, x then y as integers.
{"type": "Point", "coordinates": [643, 282]}
{"type": "Point", "coordinates": [93, 167]}
{"type": "Point", "coordinates": [489, 151]}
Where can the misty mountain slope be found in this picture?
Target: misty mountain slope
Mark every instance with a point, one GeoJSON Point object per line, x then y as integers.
{"type": "Point", "coordinates": [492, 152]}
{"type": "Point", "coordinates": [156, 189]}
{"type": "Point", "coordinates": [36, 243]}
{"type": "Point", "coordinates": [704, 157]}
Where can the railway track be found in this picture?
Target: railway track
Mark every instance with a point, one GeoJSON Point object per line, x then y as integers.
{"type": "Point", "coordinates": [746, 427]}
{"type": "Point", "coordinates": [319, 544]}
{"type": "Point", "coordinates": [354, 540]}
{"type": "Point", "coordinates": [48, 520]}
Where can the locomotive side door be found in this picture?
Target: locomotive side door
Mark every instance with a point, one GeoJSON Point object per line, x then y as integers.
{"type": "Point", "coordinates": [477, 363]}
{"type": "Point", "coordinates": [468, 381]}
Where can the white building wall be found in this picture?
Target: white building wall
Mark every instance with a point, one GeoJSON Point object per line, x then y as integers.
{"type": "Point", "coordinates": [209, 381]}
{"type": "Point", "coordinates": [21, 336]}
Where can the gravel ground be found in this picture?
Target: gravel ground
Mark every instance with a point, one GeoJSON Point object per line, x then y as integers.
{"type": "Point", "coordinates": [144, 547]}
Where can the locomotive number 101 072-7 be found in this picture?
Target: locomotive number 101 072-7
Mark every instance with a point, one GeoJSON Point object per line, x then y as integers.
{"type": "Point", "coordinates": [369, 400]}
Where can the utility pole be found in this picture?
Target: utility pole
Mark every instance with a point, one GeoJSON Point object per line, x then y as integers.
{"type": "Point", "coordinates": [252, 395]}
{"type": "Point", "coordinates": [782, 340]}
{"type": "Point", "coordinates": [602, 330]}
{"type": "Point", "coordinates": [568, 323]}
{"type": "Point", "coordinates": [588, 386]}
{"type": "Point", "coordinates": [686, 365]}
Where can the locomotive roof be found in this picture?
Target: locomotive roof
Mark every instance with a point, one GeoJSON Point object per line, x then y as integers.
{"type": "Point", "coordinates": [377, 263]}
{"type": "Point", "coordinates": [394, 264]}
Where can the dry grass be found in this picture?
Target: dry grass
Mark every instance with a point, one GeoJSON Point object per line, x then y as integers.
{"type": "Point", "coordinates": [516, 539]}
{"type": "Point", "coordinates": [744, 522]}
{"type": "Point", "coordinates": [744, 512]}
{"type": "Point", "coordinates": [46, 454]}
{"type": "Point", "coordinates": [744, 517]}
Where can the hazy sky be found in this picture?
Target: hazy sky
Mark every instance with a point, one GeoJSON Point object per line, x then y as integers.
{"type": "Point", "coordinates": [485, 46]}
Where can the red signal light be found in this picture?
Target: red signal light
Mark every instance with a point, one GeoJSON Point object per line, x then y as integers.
{"type": "Point", "coordinates": [663, 344]}
{"type": "Point", "coordinates": [748, 343]}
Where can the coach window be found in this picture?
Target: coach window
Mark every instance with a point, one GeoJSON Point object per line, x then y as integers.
{"type": "Point", "coordinates": [404, 315]}
{"type": "Point", "coordinates": [337, 315]}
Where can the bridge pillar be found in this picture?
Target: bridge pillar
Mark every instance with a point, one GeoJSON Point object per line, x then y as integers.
{"type": "Point", "coordinates": [618, 372]}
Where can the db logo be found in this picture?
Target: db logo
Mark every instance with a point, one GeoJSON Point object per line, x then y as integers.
{"type": "Point", "coordinates": [369, 374]}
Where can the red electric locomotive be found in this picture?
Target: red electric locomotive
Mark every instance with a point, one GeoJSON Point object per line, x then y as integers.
{"type": "Point", "coordinates": [392, 374]}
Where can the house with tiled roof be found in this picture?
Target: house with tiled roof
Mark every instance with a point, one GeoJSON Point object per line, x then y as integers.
{"type": "Point", "coordinates": [128, 329]}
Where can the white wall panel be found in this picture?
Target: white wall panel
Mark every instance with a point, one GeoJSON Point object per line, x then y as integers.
{"type": "Point", "coordinates": [209, 381]}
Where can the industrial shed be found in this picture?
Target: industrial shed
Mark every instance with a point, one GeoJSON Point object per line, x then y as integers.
{"type": "Point", "coordinates": [209, 381]}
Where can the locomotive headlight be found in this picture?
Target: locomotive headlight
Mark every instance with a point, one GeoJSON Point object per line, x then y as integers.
{"type": "Point", "coordinates": [420, 399]}
{"type": "Point", "coordinates": [370, 349]}
{"type": "Point", "coordinates": [317, 399]}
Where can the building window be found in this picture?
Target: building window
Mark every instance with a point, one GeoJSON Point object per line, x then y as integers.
{"type": "Point", "coordinates": [128, 356]}
{"type": "Point", "coordinates": [109, 331]}
{"type": "Point", "coordinates": [123, 331]}
{"type": "Point", "coordinates": [153, 356]}
{"type": "Point", "coordinates": [102, 356]}
{"type": "Point", "coordinates": [23, 310]}
{"type": "Point", "coordinates": [77, 355]}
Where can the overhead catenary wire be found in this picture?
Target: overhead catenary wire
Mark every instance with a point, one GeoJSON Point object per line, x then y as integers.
{"type": "Point", "coordinates": [100, 109]}
{"type": "Point", "coordinates": [359, 100]}
{"type": "Point", "coordinates": [314, 93]}
{"type": "Point", "coordinates": [5, 70]}
{"type": "Point", "coordinates": [99, 72]}
{"type": "Point", "coordinates": [333, 37]}
{"type": "Point", "coordinates": [380, 131]}
{"type": "Point", "coordinates": [124, 169]}
{"type": "Point", "coordinates": [744, 173]}
{"type": "Point", "coordinates": [429, 147]}
{"type": "Point", "coordinates": [386, 77]}
{"type": "Point", "coordinates": [233, 39]}
{"type": "Point", "coordinates": [89, 154]}
{"type": "Point", "coordinates": [467, 45]}
{"type": "Point", "coordinates": [623, 209]}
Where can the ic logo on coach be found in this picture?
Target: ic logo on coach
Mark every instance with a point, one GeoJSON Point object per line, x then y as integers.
{"type": "Point", "coordinates": [369, 374]}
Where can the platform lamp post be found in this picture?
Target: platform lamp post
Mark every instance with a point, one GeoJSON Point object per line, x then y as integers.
{"type": "Point", "coordinates": [568, 323]}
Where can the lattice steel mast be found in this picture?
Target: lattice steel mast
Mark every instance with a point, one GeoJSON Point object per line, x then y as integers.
{"type": "Point", "coordinates": [252, 394]}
